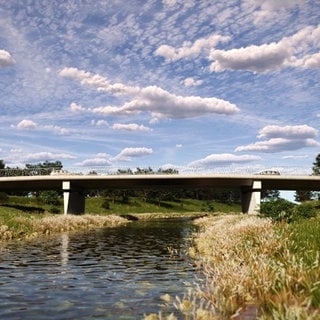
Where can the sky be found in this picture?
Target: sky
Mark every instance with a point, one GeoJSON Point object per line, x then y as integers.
{"type": "Point", "coordinates": [198, 86]}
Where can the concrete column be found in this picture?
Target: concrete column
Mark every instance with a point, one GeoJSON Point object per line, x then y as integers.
{"type": "Point", "coordinates": [73, 199]}
{"type": "Point", "coordinates": [251, 198]}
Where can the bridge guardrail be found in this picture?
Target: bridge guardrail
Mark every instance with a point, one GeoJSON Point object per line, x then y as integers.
{"type": "Point", "coordinates": [14, 172]}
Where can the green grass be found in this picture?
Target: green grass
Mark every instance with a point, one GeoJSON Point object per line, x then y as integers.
{"type": "Point", "coordinates": [137, 205]}
{"type": "Point", "coordinates": [18, 214]}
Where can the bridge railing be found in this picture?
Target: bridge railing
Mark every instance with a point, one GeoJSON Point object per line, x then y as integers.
{"type": "Point", "coordinates": [14, 172]}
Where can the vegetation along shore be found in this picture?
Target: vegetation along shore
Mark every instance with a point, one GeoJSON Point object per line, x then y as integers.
{"type": "Point", "coordinates": [255, 267]}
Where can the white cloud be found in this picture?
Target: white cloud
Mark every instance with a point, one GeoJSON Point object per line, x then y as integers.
{"type": "Point", "coordinates": [268, 10]}
{"type": "Point", "coordinates": [222, 160]}
{"type": "Point", "coordinates": [31, 125]}
{"type": "Point", "coordinates": [159, 102]}
{"type": "Point", "coordinates": [170, 3]}
{"type": "Point", "coordinates": [278, 145]}
{"type": "Point", "coordinates": [99, 123]}
{"type": "Point", "coordinates": [26, 124]}
{"type": "Point", "coordinates": [97, 81]}
{"type": "Point", "coordinates": [130, 127]}
{"type": "Point", "coordinates": [162, 104]}
{"type": "Point", "coordinates": [59, 130]}
{"type": "Point", "coordinates": [74, 107]}
{"type": "Point", "coordinates": [43, 156]}
{"type": "Point", "coordinates": [311, 61]}
{"type": "Point", "coordinates": [253, 58]}
{"type": "Point", "coordinates": [295, 157]}
{"type": "Point", "coordinates": [283, 139]}
{"type": "Point", "coordinates": [289, 132]}
{"type": "Point", "coordinates": [189, 50]}
{"type": "Point", "coordinates": [288, 52]}
{"type": "Point", "coordinates": [128, 153]}
{"type": "Point", "coordinates": [191, 82]}
{"type": "Point", "coordinates": [6, 59]}
{"type": "Point", "coordinates": [100, 159]}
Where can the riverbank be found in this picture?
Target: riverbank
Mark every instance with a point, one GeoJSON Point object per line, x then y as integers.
{"type": "Point", "coordinates": [255, 269]}
{"type": "Point", "coordinates": [27, 227]}
{"type": "Point", "coordinates": [22, 217]}
{"type": "Point", "coordinates": [17, 224]}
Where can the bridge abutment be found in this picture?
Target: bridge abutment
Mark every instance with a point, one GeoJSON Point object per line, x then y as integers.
{"type": "Point", "coordinates": [251, 198]}
{"type": "Point", "coordinates": [73, 199]}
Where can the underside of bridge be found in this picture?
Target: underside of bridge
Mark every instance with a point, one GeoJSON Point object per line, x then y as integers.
{"type": "Point", "coordinates": [74, 198]}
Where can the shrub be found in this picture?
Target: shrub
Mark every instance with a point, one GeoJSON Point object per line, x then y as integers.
{"type": "Point", "coordinates": [50, 197]}
{"type": "Point", "coordinates": [208, 206]}
{"type": "Point", "coordinates": [304, 210]}
{"type": "Point", "coordinates": [105, 204]}
{"type": "Point", "coordinates": [3, 197]}
{"type": "Point", "coordinates": [54, 210]}
{"type": "Point", "coordinates": [278, 210]}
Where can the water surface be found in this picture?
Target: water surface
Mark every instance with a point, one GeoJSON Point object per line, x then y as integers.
{"type": "Point", "coordinates": [110, 273]}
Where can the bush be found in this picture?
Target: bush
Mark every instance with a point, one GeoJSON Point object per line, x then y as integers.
{"type": "Point", "coordinates": [304, 210]}
{"type": "Point", "coordinates": [54, 210]}
{"type": "Point", "coordinates": [283, 210]}
{"type": "Point", "coordinates": [3, 197]}
{"type": "Point", "coordinates": [105, 204]}
{"type": "Point", "coordinates": [278, 210]}
{"type": "Point", "coordinates": [50, 197]}
{"type": "Point", "coordinates": [208, 206]}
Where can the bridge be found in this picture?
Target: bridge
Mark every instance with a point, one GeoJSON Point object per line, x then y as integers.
{"type": "Point", "coordinates": [74, 186]}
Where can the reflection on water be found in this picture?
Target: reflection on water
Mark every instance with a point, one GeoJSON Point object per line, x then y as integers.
{"type": "Point", "coordinates": [112, 273]}
{"type": "Point", "coordinates": [64, 249]}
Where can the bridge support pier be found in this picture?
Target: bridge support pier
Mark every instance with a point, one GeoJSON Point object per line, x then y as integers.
{"type": "Point", "coordinates": [73, 199]}
{"type": "Point", "coordinates": [251, 198]}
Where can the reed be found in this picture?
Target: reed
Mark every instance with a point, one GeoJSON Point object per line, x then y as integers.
{"type": "Point", "coordinates": [257, 269]}
{"type": "Point", "coordinates": [32, 226]}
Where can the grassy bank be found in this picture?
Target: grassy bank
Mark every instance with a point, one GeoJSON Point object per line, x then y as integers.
{"type": "Point", "coordinates": [22, 217]}
{"type": "Point", "coordinates": [18, 225]}
{"type": "Point", "coordinates": [255, 269]}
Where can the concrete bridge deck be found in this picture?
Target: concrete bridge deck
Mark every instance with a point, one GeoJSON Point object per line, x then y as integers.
{"type": "Point", "coordinates": [75, 185]}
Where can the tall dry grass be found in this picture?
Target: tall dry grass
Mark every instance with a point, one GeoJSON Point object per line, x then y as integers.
{"type": "Point", "coordinates": [31, 227]}
{"type": "Point", "coordinates": [251, 273]}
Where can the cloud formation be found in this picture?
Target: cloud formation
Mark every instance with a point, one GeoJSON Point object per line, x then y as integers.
{"type": "Point", "coordinates": [99, 160]}
{"type": "Point", "coordinates": [43, 156]}
{"type": "Point", "coordinates": [293, 51]}
{"type": "Point", "coordinates": [130, 127]}
{"type": "Point", "coordinates": [283, 139]}
{"type": "Point", "coordinates": [26, 124]}
{"type": "Point", "coordinates": [270, 9]}
{"type": "Point", "coordinates": [6, 59]}
{"type": "Point", "coordinates": [128, 153]}
{"type": "Point", "coordinates": [288, 52]}
{"type": "Point", "coordinates": [152, 99]}
{"type": "Point", "coordinates": [223, 159]}
{"type": "Point", "coordinates": [190, 50]}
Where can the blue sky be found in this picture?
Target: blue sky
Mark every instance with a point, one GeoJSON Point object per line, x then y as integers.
{"type": "Point", "coordinates": [221, 86]}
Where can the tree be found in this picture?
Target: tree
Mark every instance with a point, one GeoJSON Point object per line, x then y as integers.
{"type": "Point", "coordinates": [270, 194]}
{"type": "Point", "coordinates": [2, 165]}
{"type": "Point", "coordinates": [316, 172]}
{"type": "Point", "coordinates": [303, 195]}
{"type": "Point", "coordinates": [308, 195]}
{"type": "Point", "coordinates": [44, 168]}
{"type": "Point", "coordinates": [144, 171]}
{"type": "Point", "coordinates": [316, 166]}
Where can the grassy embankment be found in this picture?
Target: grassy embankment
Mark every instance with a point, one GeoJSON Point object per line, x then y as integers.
{"type": "Point", "coordinates": [22, 217]}
{"type": "Point", "coordinates": [254, 269]}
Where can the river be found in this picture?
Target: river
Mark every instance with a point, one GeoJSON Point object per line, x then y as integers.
{"type": "Point", "coordinates": [109, 273]}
